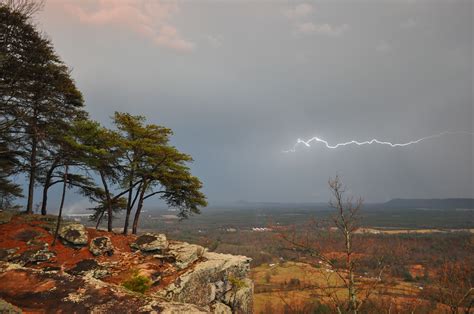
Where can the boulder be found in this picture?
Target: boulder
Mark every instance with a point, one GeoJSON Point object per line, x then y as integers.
{"type": "Point", "coordinates": [101, 246]}
{"type": "Point", "coordinates": [150, 242]}
{"type": "Point", "coordinates": [75, 234]}
{"type": "Point", "coordinates": [185, 254]}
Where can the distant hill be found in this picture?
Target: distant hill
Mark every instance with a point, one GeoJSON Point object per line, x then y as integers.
{"type": "Point", "coordinates": [398, 203]}
{"type": "Point", "coordinates": [447, 203]}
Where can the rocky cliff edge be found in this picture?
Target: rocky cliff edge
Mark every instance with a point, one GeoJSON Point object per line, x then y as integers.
{"type": "Point", "coordinates": [93, 271]}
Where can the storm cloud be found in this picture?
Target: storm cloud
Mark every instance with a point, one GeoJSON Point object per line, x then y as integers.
{"type": "Point", "coordinates": [241, 81]}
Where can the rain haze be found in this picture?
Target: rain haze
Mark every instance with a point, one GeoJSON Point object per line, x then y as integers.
{"type": "Point", "coordinates": [240, 81]}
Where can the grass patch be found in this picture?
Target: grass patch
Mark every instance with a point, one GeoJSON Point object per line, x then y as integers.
{"type": "Point", "coordinates": [137, 283]}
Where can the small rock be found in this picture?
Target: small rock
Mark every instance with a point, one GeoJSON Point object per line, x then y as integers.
{"type": "Point", "coordinates": [150, 242]}
{"type": "Point", "coordinates": [75, 234]}
{"type": "Point", "coordinates": [101, 246]}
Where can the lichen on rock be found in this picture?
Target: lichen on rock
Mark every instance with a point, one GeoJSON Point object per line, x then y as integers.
{"type": "Point", "coordinates": [221, 308]}
{"type": "Point", "coordinates": [185, 254]}
{"type": "Point", "coordinates": [101, 246]}
{"type": "Point", "coordinates": [150, 242]}
{"type": "Point", "coordinates": [75, 234]}
{"type": "Point", "coordinates": [89, 267]}
{"type": "Point", "coordinates": [35, 256]}
{"type": "Point", "coordinates": [181, 277]}
{"type": "Point", "coordinates": [209, 281]}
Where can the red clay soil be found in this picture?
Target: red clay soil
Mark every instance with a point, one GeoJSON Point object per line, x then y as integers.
{"type": "Point", "coordinates": [121, 265]}
{"type": "Point", "coordinates": [33, 292]}
{"type": "Point", "coordinates": [12, 236]}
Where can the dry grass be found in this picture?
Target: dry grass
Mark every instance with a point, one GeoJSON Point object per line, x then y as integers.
{"type": "Point", "coordinates": [271, 285]}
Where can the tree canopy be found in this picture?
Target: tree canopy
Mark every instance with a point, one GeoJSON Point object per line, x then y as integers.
{"type": "Point", "coordinates": [47, 137]}
{"type": "Point", "coordinates": [38, 95]}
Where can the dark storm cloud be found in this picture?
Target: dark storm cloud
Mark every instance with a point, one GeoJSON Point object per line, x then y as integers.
{"type": "Point", "coordinates": [240, 82]}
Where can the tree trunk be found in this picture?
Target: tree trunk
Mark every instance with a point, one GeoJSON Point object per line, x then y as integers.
{"type": "Point", "coordinates": [32, 176]}
{"type": "Point", "coordinates": [109, 202]}
{"type": "Point", "coordinates": [129, 204]}
{"type": "Point", "coordinates": [99, 220]}
{"type": "Point", "coordinates": [139, 208]}
{"type": "Point", "coordinates": [349, 264]}
{"type": "Point", "coordinates": [44, 202]}
{"type": "Point", "coordinates": [61, 207]}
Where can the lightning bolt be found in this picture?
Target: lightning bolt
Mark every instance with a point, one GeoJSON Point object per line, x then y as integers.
{"type": "Point", "coordinates": [307, 143]}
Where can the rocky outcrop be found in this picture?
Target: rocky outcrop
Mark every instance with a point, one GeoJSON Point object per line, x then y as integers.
{"type": "Point", "coordinates": [220, 278]}
{"type": "Point", "coordinates": [241, 296]}
{"type": "Point", "coordinates": [55, 292]}
{"type": "Point", "coordinates": [151, 242]}
{"type": "Point", "coordinates": [75, 234]}
{"type": "Point", "coordinates": [101, 246]}
{"type": "Point", "coordinates": [145, 274]}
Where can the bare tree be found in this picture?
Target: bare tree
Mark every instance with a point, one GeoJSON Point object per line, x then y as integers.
{"type": "Point", "coordinates": [307, 241]}
{"type": "Point", "coordinates": [346, 220]}
{"type": "Point", "coordinates": [453, 286]}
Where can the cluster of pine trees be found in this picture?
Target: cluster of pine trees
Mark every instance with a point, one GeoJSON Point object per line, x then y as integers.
{"type": "Point", "coordinates": [47, 137]}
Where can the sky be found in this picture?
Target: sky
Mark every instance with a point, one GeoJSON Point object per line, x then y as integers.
{"type": "Point", "coordinates": [240, 81]}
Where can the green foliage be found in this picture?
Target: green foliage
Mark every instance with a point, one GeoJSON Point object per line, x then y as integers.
{"type": "Point", "coordinates": [44, 129]}
{"type": "Point", "coordinates": [407, 276]}
{"type": "Point", "coordinates": [137, 283]}
{"type": "Point", "coordinates": [321, 308]}
{"type": "Point", "coordinates": [38, 98]}
{"type": "Point", "coordinates": [237, 283]}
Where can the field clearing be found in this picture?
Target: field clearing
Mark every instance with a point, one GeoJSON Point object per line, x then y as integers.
{"type": "Point", "coordinates": [410, 231]}
{"type": "Point", "coordinates": [296, 284]}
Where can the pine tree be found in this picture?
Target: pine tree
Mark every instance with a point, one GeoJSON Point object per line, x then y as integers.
{"type": "Point", "coordinates": [152, 167]}
{"type": "Point", "coordinates": [36, 92]}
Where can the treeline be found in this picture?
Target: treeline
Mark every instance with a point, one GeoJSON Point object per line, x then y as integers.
{"type": "Point", "coordinates": [46, 136]}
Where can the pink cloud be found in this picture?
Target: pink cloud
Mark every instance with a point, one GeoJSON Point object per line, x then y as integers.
{"type": "Point", "coordinates": [150, 19]}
